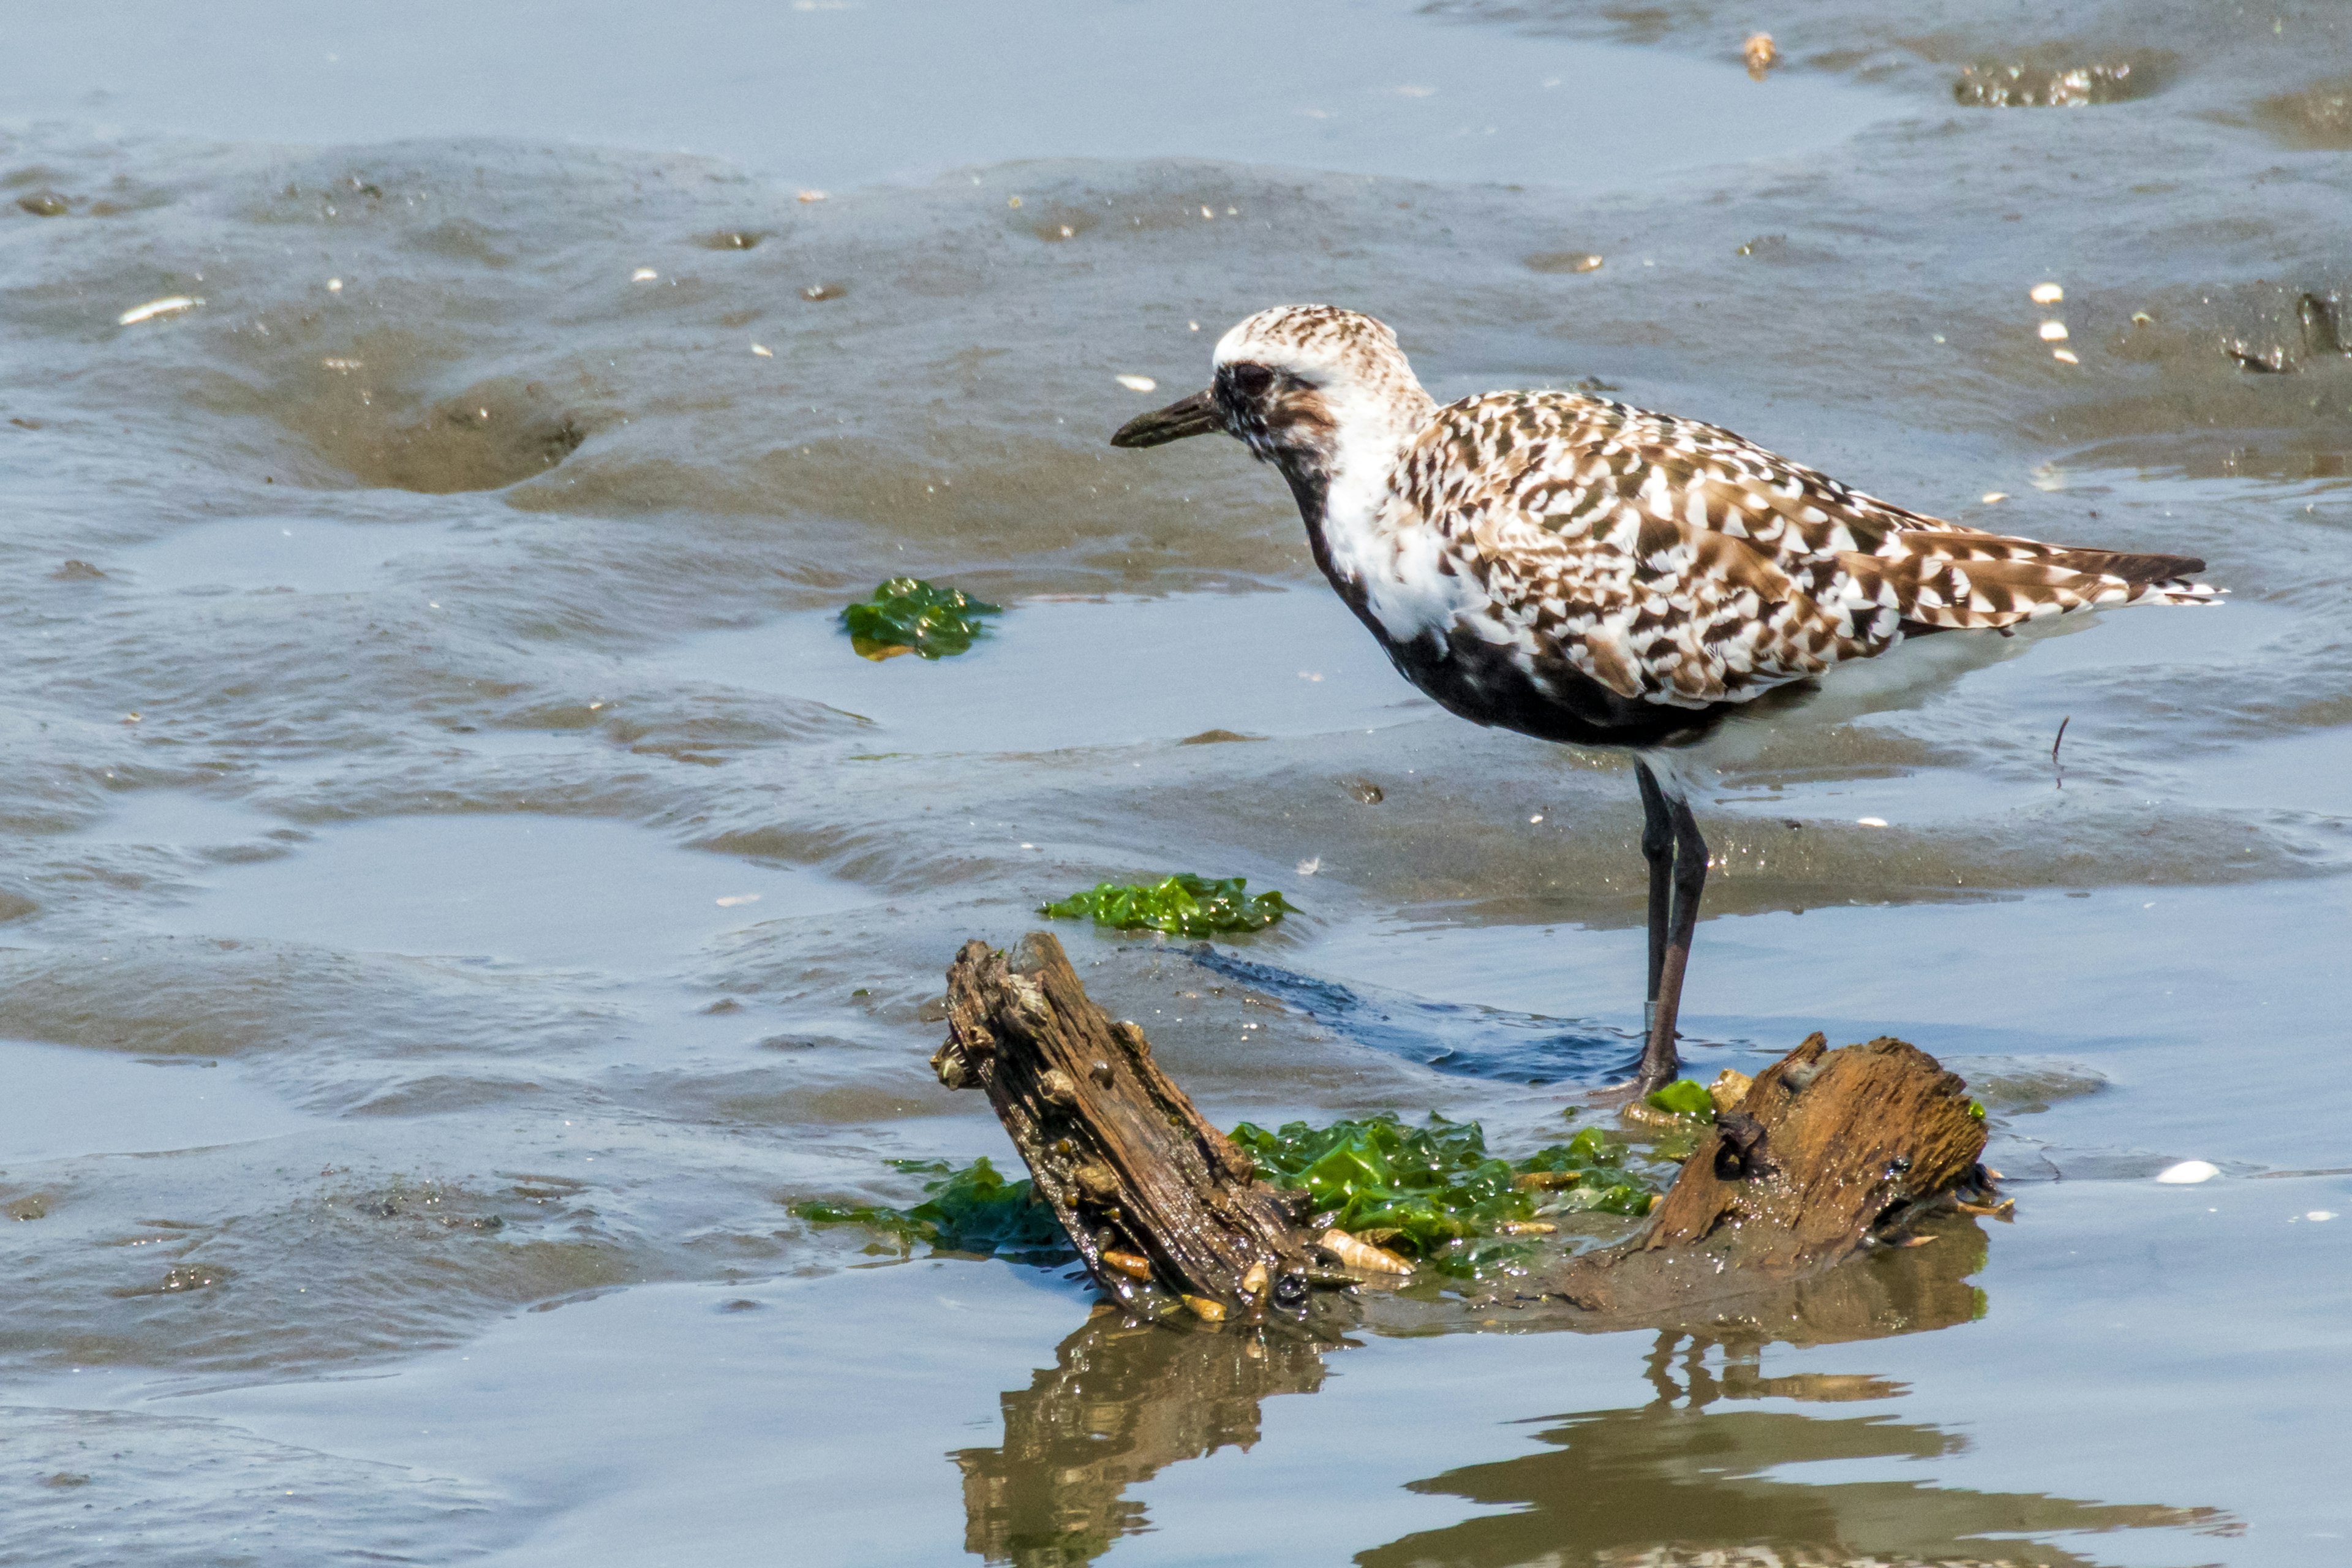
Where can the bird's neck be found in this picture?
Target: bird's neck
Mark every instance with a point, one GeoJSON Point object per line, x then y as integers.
{"type": "Point", "coordinates": [1341, 480]}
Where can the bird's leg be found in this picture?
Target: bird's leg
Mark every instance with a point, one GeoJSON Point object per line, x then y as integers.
{"type": "Point", "coordinates": [1660, 1062]}
{"type": "Point", "coordinates": [1658, 849]}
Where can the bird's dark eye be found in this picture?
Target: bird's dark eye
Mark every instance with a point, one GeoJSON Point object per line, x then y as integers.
{"type": "Point", "coordinates": [1250, 380]}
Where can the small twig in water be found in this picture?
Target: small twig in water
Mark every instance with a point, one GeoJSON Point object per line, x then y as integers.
{"type": "Point", "coordinates": [2059, 766]}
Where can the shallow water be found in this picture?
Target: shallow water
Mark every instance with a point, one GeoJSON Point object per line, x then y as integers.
{"type": "Point", "coordinates": [461, 887]}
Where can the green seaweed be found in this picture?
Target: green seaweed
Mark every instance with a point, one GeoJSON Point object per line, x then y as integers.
{"type": "Point", "coordinates": [971, 1209]}
{"type": "Point", "coordinates": [1684, 1096]}
{"type": "Point", "coordinates": [1433, 1192]}
{"type": "Point", "coordinates": [1180, 905]}
{"type": "Point", "coordinates": [906, 614]}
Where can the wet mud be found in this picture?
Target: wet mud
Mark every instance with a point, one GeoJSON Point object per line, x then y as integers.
{"type": "Point", "coordinates": [462, 888]}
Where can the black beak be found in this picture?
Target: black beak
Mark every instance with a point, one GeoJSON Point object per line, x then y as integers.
{"type": "Point", "coordinates": [1194, 415]}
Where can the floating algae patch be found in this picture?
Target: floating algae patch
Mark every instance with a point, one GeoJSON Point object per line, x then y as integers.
{"type": "Point", "coordinates": [906, 614]}
{"type": "Point", "coordinates": [1180, 905]}
{"type": "Point", "coordinates": [1433, 1192]}
{"type": "Point", "coordinates": [972, 1209]}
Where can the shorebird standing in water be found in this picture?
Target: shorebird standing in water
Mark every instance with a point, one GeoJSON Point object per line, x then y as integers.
{"type": "Point", "coordinates": [1591, 573]}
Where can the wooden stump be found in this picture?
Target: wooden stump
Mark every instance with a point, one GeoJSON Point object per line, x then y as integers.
{"type": "Point", "coordinates": [1161, 1204]}
{"type": "Point", "coordinates": [1830, 1153]}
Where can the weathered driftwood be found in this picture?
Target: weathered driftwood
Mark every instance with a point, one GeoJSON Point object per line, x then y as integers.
{"type": "Point", "coordinates": [1830, 1153]}
{"type": "Point", "coordinates": [1155, 1199]}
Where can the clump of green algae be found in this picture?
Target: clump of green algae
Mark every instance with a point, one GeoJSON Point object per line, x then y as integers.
{"type": "Point", "coordinates": [971, 1209]}
{"type": "Point", "coordinates": [1180, 905]}
{"type": "Point", "coordinates": [907, 615]}
{"type": "Point", "coordinates": [1432, 1192]}
{"type": "Point", "coordinates": [1692, 1105]}
{"type": "Point", "coordinates": [1684, 1096]}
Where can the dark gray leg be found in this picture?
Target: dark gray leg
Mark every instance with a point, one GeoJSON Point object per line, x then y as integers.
{"type": "Point", "coordinates": [1660, 1062]}
{"type": "Point", "coordinates": [1658, 849]}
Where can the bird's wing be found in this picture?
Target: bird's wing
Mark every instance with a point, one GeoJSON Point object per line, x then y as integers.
{"type": "Point", "coordinates": [1675, 561]}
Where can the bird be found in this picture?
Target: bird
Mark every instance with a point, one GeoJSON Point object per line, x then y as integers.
{"type": "Point", "coordinates": [1591, 574]}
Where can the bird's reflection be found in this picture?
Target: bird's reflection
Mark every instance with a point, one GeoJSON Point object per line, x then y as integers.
{"type": "Point", "coordinates": [1680, 1481]}
{"type": "Point", "coordinates": [1677, 1484]}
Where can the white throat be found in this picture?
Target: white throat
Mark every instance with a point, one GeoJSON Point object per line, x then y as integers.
{"type": "Point", "coordinates": [1373, 541]}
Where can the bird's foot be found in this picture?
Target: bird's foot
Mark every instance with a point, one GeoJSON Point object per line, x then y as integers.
{"type": "Point", "coordinates": [1629, 1092]}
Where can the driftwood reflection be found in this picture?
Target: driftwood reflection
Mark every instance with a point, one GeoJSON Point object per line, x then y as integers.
{"type": "Point", "coordinates": [1121, 1401]}
{"type": "Point", "coordinates": [1678, 1482]}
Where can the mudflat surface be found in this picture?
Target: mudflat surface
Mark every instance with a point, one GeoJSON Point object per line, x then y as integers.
{"type": "Point", "coordinates": [461, 887]}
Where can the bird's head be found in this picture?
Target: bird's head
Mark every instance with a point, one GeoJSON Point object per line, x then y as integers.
{"type": "Point", "coordinates": [1304, 387]}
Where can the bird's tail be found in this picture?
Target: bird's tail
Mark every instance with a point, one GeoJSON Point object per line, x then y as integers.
{"type": "Point", "coordinates": [1969, 581]}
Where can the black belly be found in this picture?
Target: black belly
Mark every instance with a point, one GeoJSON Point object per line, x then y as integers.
{"type": "Point", "coordinates": [1488, 685]}
{"type": "Point", "coordinates": [1552, 701]}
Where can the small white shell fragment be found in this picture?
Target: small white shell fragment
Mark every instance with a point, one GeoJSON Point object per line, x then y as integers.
{"type": "Point", "coordinates": [2047, 294]}
{"type": "Point", "coordinates": [644, 275]}
{"type": "Point", "coordinates": [1139, 384]}
{"type": "Point", "coordinates": [819, 195]}
{"type": "Point", "coordinates": [2318, 1217]}
{"type": "Point", "coordinates": [2065, 356]}
{"type": "Point", "coordinates": [763, 350]}
{"type": "Point", "coordinates": [1870, 822]}
{"type": "Point", "coordinates": [170, 306]}
{"type": "Point", "coordinates": [335, 285]}
{"type": "Point", "coordinates": [2188, 1173]}
{"type": "Point", "coordinates": [2054, 332]}
{"type": "Point", "coordinates": [1994, 497]}
{"type": "Point", "coordinates": [732, 900]}
{"type": "Point", "coordinates": [1310, 867]}
{"type": "Point", "coordinates": [1361, 1256]}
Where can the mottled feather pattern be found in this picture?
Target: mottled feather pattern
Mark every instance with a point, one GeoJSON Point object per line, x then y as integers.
{"type": "Point", "coordinates": [1585, 573]}
{"type": "Point", "coordinates": [1675, 563]}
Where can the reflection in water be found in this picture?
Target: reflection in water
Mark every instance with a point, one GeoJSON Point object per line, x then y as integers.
{"type": "Point", "coordinates": [1121, 1401]}
{"type": "Point", "coordinates": [1674, 1482]}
